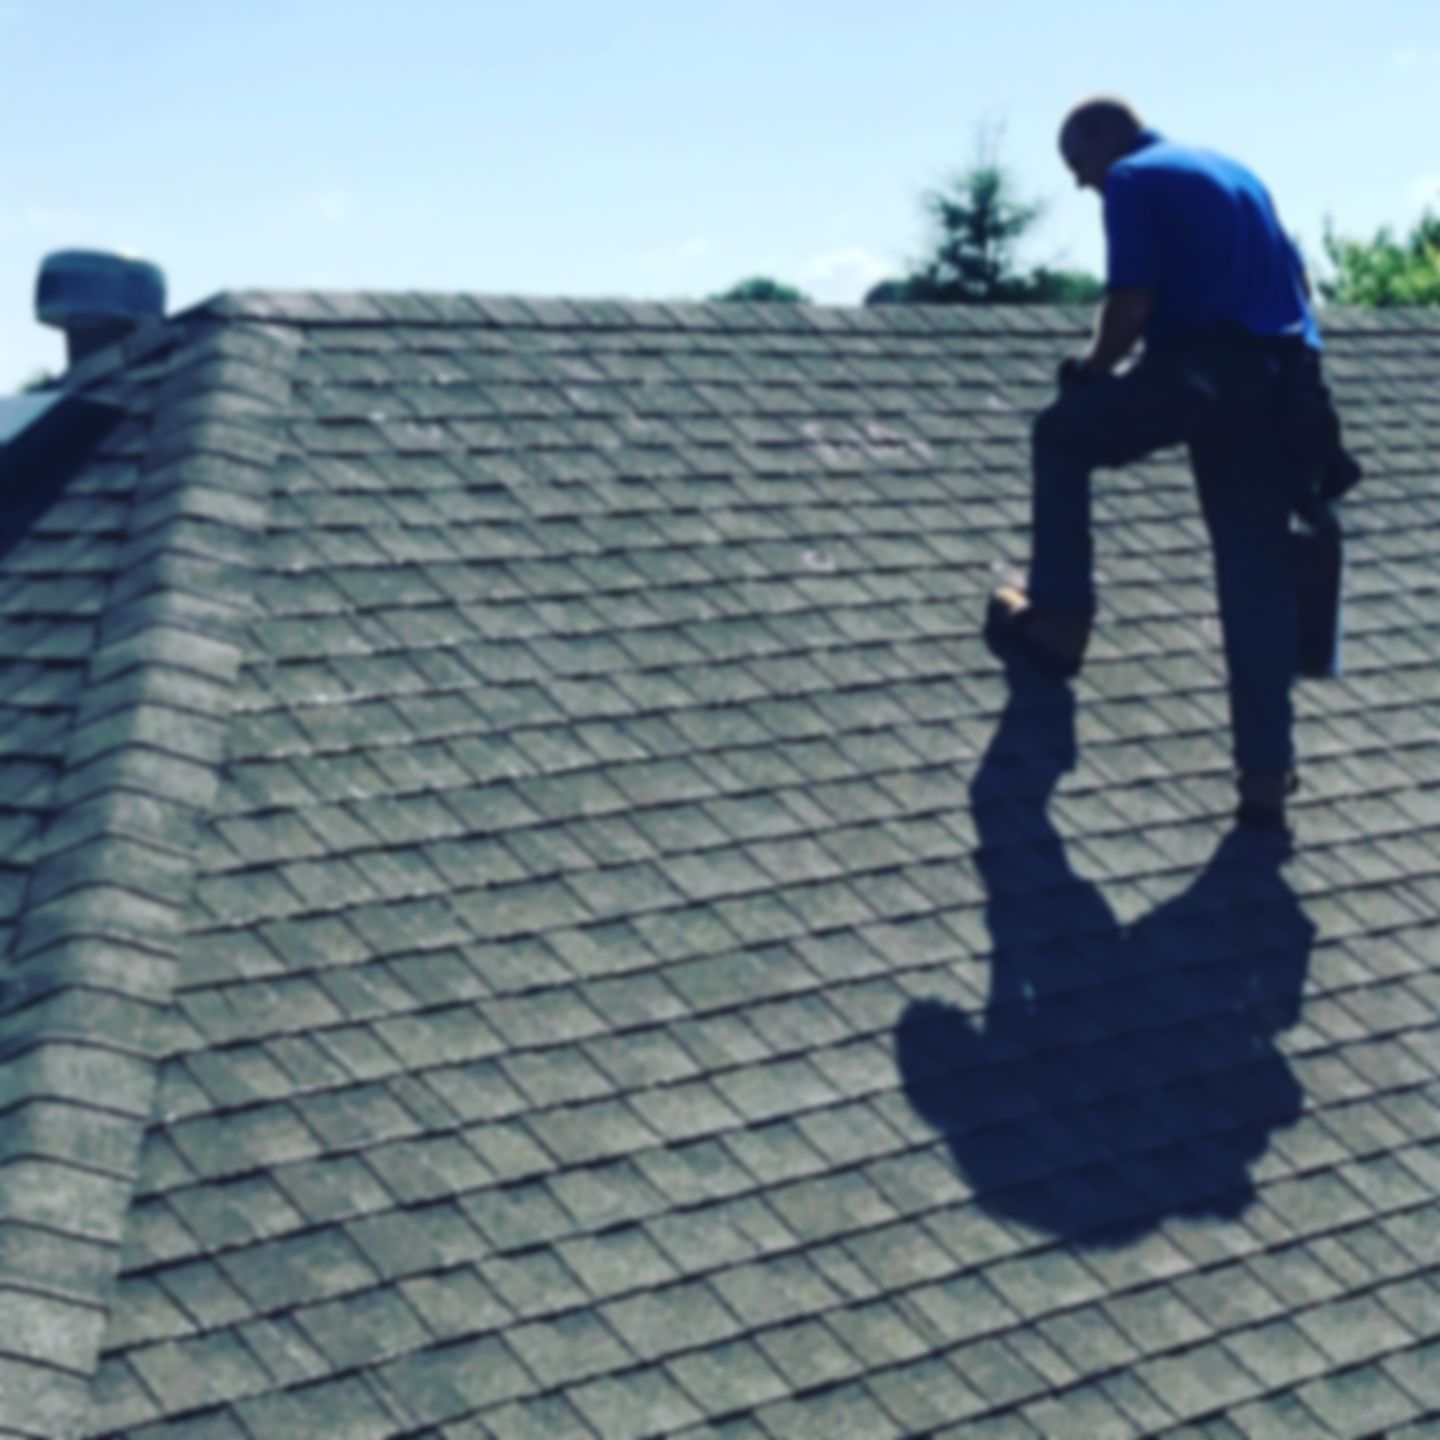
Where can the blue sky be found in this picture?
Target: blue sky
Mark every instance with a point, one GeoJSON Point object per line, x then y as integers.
{"type": "Point", "coordinates": [641, 148]}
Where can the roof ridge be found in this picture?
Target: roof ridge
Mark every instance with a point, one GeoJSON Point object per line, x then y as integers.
{"type": "Point", "coordinates": [521, 312]}
{"type": "Point", "coordinates": [91, 964]}
{"type": "Point", "coordinates": [530, 312]}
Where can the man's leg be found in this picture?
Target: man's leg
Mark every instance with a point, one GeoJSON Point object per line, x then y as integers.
{"type": "Point", "coordinates": [1109, 422]}
{"type": "Point", "coordinates": [1247, 513]}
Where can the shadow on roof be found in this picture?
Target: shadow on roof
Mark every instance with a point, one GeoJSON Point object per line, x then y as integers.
{"type": "Point", "coordinates": [37, 463]}
{"type": "Point", "coordinates": [1121, 1074]}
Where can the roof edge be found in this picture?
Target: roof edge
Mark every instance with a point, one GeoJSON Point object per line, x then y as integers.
{"type": "Point", "coordinates": [529, 312]}
{"type": "Point", "coordinates": [86, 983]}
{"type": "Point", "coordinates": [533, 312]}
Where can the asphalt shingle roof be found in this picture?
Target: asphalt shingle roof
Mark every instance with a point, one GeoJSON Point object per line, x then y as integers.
{"type": "Point", "coordinates": [528, 908]}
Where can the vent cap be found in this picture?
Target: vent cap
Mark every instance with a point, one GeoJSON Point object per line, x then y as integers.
{"type": "Point", "coordinates": [97, 298]}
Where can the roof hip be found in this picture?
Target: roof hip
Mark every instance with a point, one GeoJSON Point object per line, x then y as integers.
{"type": "Point", "coordinates": [87, 976]}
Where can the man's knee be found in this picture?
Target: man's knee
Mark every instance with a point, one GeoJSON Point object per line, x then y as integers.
{"type": "Point", "coordinates": [1058, 429]}
{"type": "Point", "coordinates": [1045, 430]}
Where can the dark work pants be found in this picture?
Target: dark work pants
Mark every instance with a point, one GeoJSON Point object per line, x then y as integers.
{"type": "Point", "coordinates": [1214, 398]}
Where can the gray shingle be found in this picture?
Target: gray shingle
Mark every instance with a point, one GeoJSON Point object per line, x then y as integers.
{"type": "Point", "coordinates": [599, 751]}
{"type": "Point", "coordinates": [199, 1372]}
{"type": "Point", "coordinates": [845, 1412]}
{"type": "Point", "coordinates": [347, 1406]}
{"type": "Point", "coordinates": [633, 1402]}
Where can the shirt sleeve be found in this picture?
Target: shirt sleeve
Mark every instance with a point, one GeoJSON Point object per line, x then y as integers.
{"type": "Point", "coordinates": [1132, 263]}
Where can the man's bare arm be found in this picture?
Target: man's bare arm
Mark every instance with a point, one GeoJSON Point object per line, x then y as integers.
{"type": "Point", "coordinates": [1121, 322]}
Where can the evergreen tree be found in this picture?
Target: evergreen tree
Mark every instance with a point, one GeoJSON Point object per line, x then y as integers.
{"type": "Point", "coordinates": [977, 224]}
{"type": "Point", "coordinates": [765, 290]}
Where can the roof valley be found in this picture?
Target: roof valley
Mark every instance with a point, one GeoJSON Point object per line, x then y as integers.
{"type": "Point", "coordinates": [86, 980]}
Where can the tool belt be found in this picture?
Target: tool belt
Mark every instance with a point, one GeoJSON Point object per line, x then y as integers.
{"type": "Point", "coordinates": [1304, 426]}
{"type": "Point", "coordinates": [1307, 434]}
{"type": "Point", "coordinates": [1307, 453]}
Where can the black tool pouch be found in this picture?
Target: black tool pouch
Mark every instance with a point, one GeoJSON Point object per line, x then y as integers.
{"type": "Point", "coordinates": [1307, 434]}
{"type": "Point", "coordinates": [1307, 457]}
{"type": "Point", "coordinates": [1319, 470]}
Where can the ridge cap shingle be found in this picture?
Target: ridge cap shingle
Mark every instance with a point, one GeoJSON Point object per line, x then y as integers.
{"type": "Point", "coordinates": [481, 309]}
{"type": "Point", "coordinates": [100, 917]}
{"type": "Point", "coordinates": [490, 310]}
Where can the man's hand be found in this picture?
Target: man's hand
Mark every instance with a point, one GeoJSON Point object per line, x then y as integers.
{"type": "Point", "coordinates": [1074, 371]}
{"type": "Point", "coordinates": [1123, 317]}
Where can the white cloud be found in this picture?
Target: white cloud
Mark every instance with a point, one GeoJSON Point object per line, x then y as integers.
{"type": "Point", "coordinates": [49, 222]}
{"type": "Point", "coordinates": [329, 206]}
{"type": "Point", "coordinates": [683, 252]}
{"type": "Point", "coordinates": [1423, 193]}
{"type": "Point", "coordinates": [843, 276]}
{"type": "Point", "coordinates": [1415, 57]}
{"type": "Point", "coordinates": [56, 227]}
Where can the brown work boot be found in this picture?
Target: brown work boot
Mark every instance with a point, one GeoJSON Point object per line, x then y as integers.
{"type": "Point", "coordinates": [1262, 797]}
{"type": "Point", "coordinates": [1053, 643]}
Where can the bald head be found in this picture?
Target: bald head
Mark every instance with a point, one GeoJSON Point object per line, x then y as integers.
{"type": "Point", "coordinates": [1096, 133]}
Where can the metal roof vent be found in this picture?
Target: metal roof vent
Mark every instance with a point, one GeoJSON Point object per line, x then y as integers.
{"type": "Point", "coordinates": [97, 298]}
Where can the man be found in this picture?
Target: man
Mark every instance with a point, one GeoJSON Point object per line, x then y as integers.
{"type": "Point", "coordinates": [1199, 266]}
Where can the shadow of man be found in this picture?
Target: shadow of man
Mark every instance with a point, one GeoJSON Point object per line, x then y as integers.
{"type": "Point", "coordinates": [1121, 1074]}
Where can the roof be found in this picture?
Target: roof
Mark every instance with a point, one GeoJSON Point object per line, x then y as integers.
{"type": "Point", "coordinates": [527, 907]}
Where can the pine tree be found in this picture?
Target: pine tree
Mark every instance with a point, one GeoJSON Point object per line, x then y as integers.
{"type": "Point", "coordinates": [977, 223]}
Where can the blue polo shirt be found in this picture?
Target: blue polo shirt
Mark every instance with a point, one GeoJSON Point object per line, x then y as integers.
{"type": "Point", "coordinates": [1201, 232]}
